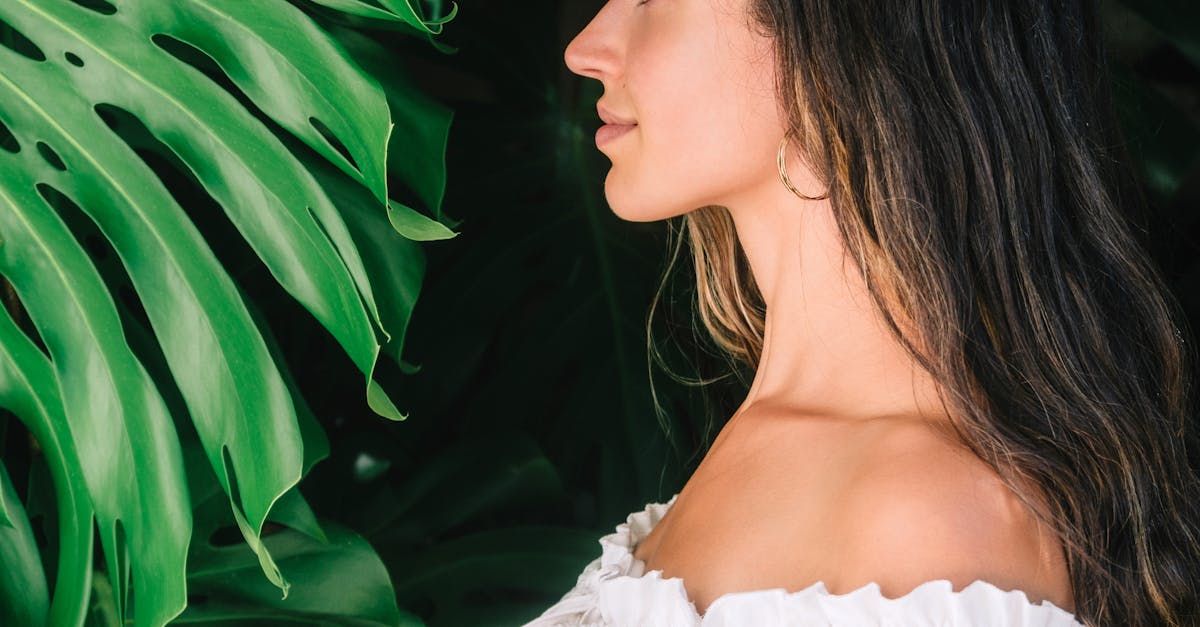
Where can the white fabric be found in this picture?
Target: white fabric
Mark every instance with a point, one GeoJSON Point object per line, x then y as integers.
{"type": "Point", "coordinates": [615, 589]}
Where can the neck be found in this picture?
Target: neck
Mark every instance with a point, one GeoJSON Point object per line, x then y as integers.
{"type": "Point", "coordinates": [827, 352]}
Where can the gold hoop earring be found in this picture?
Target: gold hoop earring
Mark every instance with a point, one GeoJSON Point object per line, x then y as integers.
{"type": "Point", "coordinates": [788, 182]}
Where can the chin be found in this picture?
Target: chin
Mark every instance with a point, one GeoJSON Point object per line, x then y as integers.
{"type": "Point", "coordinates": [642, 214]}
{"type": "Point", "coordinates": [629, 215]}
{"type": "Point", "coordinates": [631, 206]}
{"type": "Point", "coordinates": [641, 218]}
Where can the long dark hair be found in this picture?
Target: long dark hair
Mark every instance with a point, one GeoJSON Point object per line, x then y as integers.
{"type": "Point", "coordinates": [981, 184]}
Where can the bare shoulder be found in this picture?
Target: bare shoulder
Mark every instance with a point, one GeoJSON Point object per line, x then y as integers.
{"type": "Point", "coordinates": [916, 507]}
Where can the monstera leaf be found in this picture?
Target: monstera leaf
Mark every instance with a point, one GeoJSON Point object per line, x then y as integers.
{"type": "Point", "coordinates": [114, 452]}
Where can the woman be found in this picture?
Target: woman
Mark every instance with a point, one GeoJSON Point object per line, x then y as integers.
{"type": "Point", "coordinates": [970, 402]}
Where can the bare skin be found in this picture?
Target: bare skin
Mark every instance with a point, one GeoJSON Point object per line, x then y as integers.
{"type": "Point", "coordinates": [835, 397]}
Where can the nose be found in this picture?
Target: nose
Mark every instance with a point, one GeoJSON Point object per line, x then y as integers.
{"type": "Point", "coordinates": [594, 53]}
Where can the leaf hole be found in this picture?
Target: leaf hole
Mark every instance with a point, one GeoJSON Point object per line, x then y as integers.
{"type": "Point", "coordinates": [133, 304]}
{"type": "Point", "coordinates": [189, 54]}
{"type": "Point", "coordinates": [227, 462]}
{"type": "Point", "coordinates": [16, 41]}
{"type": "Point", "coordinates": [78, 223]}
{"type": "Point", "coordinates": [200, 60]}
{"type": "Point", "coordinates": [104, 256]}
{"type": "Point", "coordinates": [103, 7]}
{"type": "Point", "coordinates": [130, 129]}
{"type": "Point", "coordinates": [333, 245]}
{"type": "Point", "coordinates": [121, 577]}
{"type": "Point", "coordinates": [39, 530]}
{"type": "Point", "coordinates": [16, 309]}
{"type": "Point", "coordinates": [51, 157]}
{"type": "Point", "coordinates": [73, 59]}
{"type": "Point", "coordinates": [8, 141]}
{"type": "Point", "coordinates": [229, 535]}
{"type": "Point", "coordinates": [158, 156]}
{"type": "Point", "coordinates": [97, 247]}
{"type": "Point", "coordinates": [333, 141]}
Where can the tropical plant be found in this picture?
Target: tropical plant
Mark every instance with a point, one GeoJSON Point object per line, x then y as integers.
{"type": "Point", "coordinates": [141, 368]}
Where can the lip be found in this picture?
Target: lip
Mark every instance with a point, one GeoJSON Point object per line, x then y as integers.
{"type": "Point", "coordinates": [609, 132]}
{"type": "Point", "coordinates": [611, 118]}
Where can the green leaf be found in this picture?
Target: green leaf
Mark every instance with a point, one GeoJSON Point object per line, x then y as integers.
{"type": "Point", "coordinates": [401, 11]}
{"type": "Point", "coordinates": [6, 517]}
{"type": "Point", "coordinates": [454, 573]}
{"type": "Point", "coordinates": [24, 599]}
{"type": "Point", "coordinates": [338, 580]}
{"type": "Point", "coordinates": [341, 582]}
{"type": "Point", "coordinates": [414, 225]}
{"type": "Point", "coordinates": [102, 612]}
{"type": "Point", "coordinates": [393, 260]}
{"type": "Point", "coordinates": [241, 405]}
{"type": "Point", "coordinates": [29, 389]}
{"type": "Point", "coordinates": [293, 71]}
{"type": "Point", "coordinates": [233, 390]}
{"type": "Point", "coordinates": [108, 432]}
{"type": "Point", "coordinates": [124, 436]}
{"type": "Point", "coordinates": [422, 124]}
{"type": "Point", "coordinates": [269, 196]}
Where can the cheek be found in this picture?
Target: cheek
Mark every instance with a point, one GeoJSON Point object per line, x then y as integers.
{"type": "Point", "coordinates": [676, 164]}
{"type": "Point", "coordinates": [708, 125]}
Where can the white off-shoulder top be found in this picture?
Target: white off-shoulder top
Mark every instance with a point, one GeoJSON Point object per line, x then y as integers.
{"type": "Point", "coordinates": [615, 589]}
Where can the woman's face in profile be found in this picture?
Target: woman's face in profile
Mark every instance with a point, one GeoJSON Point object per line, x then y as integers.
{"type": "Point", "coordinates": [698, 81]}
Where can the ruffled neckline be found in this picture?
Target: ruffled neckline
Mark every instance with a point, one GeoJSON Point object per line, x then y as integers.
{"type": "Point", "coordinates": [623, 574]}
